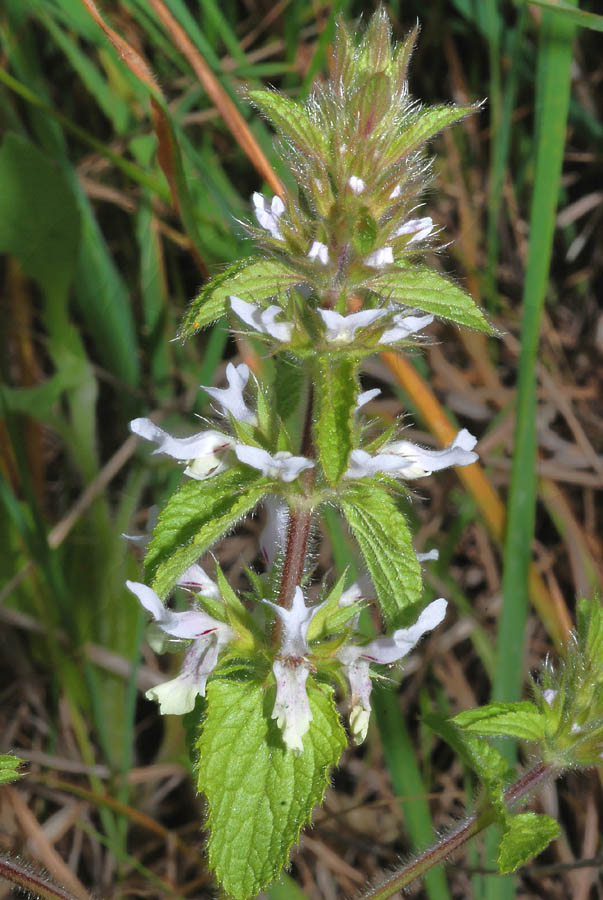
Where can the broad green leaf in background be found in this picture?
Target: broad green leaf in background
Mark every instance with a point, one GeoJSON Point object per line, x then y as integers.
{"type": "Point", "coordinates": [423, 288]}
{"type": "Point", "coordinates": [336, 392]}
{"type": "Point", "coordinates": [527, 835]}
{"type": "Point", "coordinates": [521, 720]}
{"type": "Point", "coordinates": [251, 280]}
{"type": "Point", "coordinates": [244, 766]}
{"type": "Point", "coordinates": [384, 538]}
{"type": "Point", "coordinates": [195, 516]}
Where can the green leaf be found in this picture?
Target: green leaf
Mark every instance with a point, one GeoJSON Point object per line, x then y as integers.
{"type": "Point", "coordinates": [336, 394]}
{"type": "Point", "coordinates": [572, 15]}
{"type": "Point", "coordinates": [9, 765]}
{"type": "Point", "coordinates": [423, 288]}
{"type": "Point", "coordinates": [364, 232]}
{"type": "Point", "coordinates": [384, 538]}
{"type": "Point", "coordinates": [289, 376]}
{"type": "Point", "coordinates": [259, 793]}
{"type": "Point", "coordinates": [527, 835]}
{"type": "Point", "coordinates": [521, 720]}
{"type": "Point", "coordinates": [251, 280]}
{"type": "Point", "coordinates": [195, 516]}
{"type": "Point", "coordinates": [291, 119]}
{"type": "Point", "coordinates": [427, 124]}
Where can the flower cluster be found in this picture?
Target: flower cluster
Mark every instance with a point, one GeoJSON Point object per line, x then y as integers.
{"type": "Point", "coordinates": [340, 277]}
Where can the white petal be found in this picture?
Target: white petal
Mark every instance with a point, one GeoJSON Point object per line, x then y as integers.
{"type": "Point", "coordinates": [291, 707]}
{"type": "Point", "coordinates": [178, 696]}
{"type": "Point", "coordinates": [199, 581]}
{"type": "Point", "coordinates": [203, 444]}
{"type": "Point", "coordinates": [357, 184]}
{"type": "Point", "coordinates": [424, 462]}
{"type": "Point", "coordinates": [403, 327]}
{"type": "Point", "coordinates": [282, 465]}
{"type": "Point", "coordinates": [357, 673]}
{"type": "Point", "coordinates": [319, 251]}
{"type": "Point", "coordinates": [280, 331]}
{"type": "Point", "coordinates": [419, 228]}
{"type": "Point", "coordinates": [362, 589]}
{"type": "Point", "coordinates": [549, 695]}
{"type": "Point", "coordinates": [343, 328]}
{"type": "Point", "coordinates": [248, 312]}
{"type": "Point", "coordinates": [365, 397]}
{"type": "Point", "coordinates": [274, 533]}
{"type": "Point", "coordinates": [396, 192]}
{"type": "Point", "coordinates": [431, 554]}
{"type": "Point", "coordinates": [380, 258]}
{"type": "Point", "coordinates": [205, 466]}
{"type": "Point", "coordinates": [231, 398]}
{"type": "Point", "coordinates": [391, 649]}
{"type": "Point", "coordinates": [268, 216]}
{"type": "Point", "coordinates": [359, 722]}
{"type": "Point", "coordinates": [296, 622]}
{"type": "Point", "coordinates": [188, 625]}
{"type": "Point", "coordinates": [363, 465]}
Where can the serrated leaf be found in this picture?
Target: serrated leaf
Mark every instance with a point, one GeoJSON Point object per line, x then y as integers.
{"type": "Point", "coordinates": [520, 720]}
{"type": "Point", "coordinates": [425, 289]}
{"type": "Point", "coordinates": [291, 119]}
{"type": "Point", "coordinates": [251, 280]}
{"type": "Point", "coordinates": [427, 124]}
{"type": "Point", "coordinates": [259, 793]}
{"type": "Point", "coordinates": [336, 395]}
{"type": "Point", "coordinates": [385, 541]}
{"type": "Point", "coordinates": [527, 835]}
{"type": "Point", "coordinates": [195, 516]}
{"type": "Point", "coordinates": [9, 766]}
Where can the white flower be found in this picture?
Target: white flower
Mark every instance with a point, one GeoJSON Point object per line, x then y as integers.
{"type": "Point", "coordinates": [396, 192]}
{"type": "Point", "coordinates": [268, 216]}
{"type": "Point", "coordinates": [262, 320]}
{"type": "Point", "coordinates": [282, 465]}
{"type": "Point", "coordinates": [379, 258]}
{"type": "Point", "coordinates": [549, 695]}
{"type": "Point", "coordinates": [419, 228]}
{"type": "Point", "coordinates": [365, 397]}
{"type": "Point", "coordinates": [385, 650]}
{"type": "Point", "coordinates": [274, 533]}
{"type": "Point", "coordinates": [412, 461]}
{"type": "Point", "coordinates": [204, 452]}
{"type": "Point", "coordinates": [291, 707]}
{"type": "Point", "coordinates": [424, 462]}
{"type": "Point", "coordinates": [319, 251]}
{"type": "Point", "coordinates": [196, 579]}
{"type": "Point", "coordinates": [426, 557]}
{"type": "Point", "coordinates": [403, 327]}
{"type": "Point", "coordinates": [231, 398]}
{"type": "Point", "coordinates": [208, 636]}
{"type": "Point", "coordinates": [342, 329]}
{"type": "Point", "coordinates": [357, 184]}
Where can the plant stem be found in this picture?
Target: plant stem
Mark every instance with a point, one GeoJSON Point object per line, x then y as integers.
{"type": "Point", "coordinates": [37, 885]}
{"type": "Point", "coordinates": [451, 842]}
{"type": "Point", "coordinates": [299, 522]}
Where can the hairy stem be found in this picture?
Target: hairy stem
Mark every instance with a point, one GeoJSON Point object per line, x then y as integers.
{"type": "Point", "coordinates": [299, 522]}
{"type": "Point", "coordinates": [459, 836]}
{"type": "Point", "coordinates": [36, 884]}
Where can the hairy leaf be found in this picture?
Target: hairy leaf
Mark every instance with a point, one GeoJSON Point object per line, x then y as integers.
{"type": "Point", "coordinates": [384, 538]}
{"type": "Point", "coordinates": [427, 124]}
{"type": "Point", "coordinates": [526, 835]}
{"type": "Point", "coordinates": [291, 119]}
{"type": "Point", "coordinates": [336, 394]}
{"type": "Point", "coordinates": [195, 516]}
{"type": "Point", "coordinates": [424, 288]}
{"type": "Point", "coordinates": [259, 793]}
{"type": "Point", "coordinates": [251, 280]}
{"type": "Point", "coordinates": [520, 720]}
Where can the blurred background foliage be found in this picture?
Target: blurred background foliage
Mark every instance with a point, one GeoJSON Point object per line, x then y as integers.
{"type": "Point", "coordinates": [110, 220]}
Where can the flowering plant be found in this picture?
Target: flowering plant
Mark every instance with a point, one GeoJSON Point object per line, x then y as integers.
{"type": "Point", "coordinates": [339, 276]}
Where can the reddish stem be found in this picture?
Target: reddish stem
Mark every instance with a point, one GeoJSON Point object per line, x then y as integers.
{"type": "Point", "coordinates": [32, 882]}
